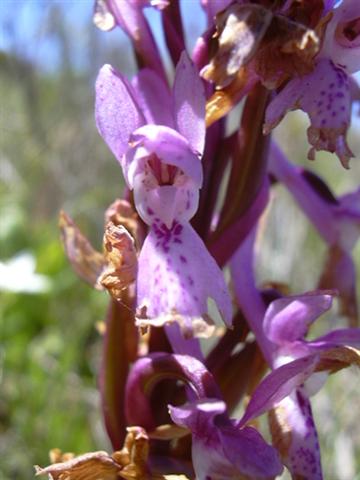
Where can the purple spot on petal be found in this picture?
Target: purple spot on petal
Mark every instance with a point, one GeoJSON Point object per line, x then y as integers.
{"type": "Point", "coordinates": [178, 229]}
{"type": "Point", "coordinates": [183, 259]}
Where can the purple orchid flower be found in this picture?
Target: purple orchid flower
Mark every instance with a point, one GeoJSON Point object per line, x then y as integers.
{"type": "Point", "coordinates": [286, 323]}
{"type": "Point", "coordinates": [324, 94]}
{"type": "Point", "coordinates": [220, 448]}
{"type": "Point", "coordinates": [336, 219]}
{"type": "Point", "coordinates": [280, 332]}
{"type": "Point", "coordinates": [158, 138]}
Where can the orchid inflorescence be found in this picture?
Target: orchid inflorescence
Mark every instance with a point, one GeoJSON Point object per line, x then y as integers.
{"type": "Point", "coordinates": [170, 400]}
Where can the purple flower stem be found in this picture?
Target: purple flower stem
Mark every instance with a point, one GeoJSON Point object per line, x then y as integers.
{"type": "Point", "coordinates": [173, 30]}
{"type": "Point", "coordinates": [248, 296]}
{"type": "Point", "coordinates": [215, 160]}
{"type": "Point", "coordinates": [249, 160]}
{"type": "Point", "coordinates": [222, 247]}
{"type": "Point", "coordinates": [132, 19]}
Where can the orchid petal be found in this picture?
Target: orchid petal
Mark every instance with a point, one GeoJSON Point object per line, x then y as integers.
{"type": "Point", "coordinates": [154, 97]}
{"type": "Point", "coordinates": [295, 436]}
{"type": "Point", "coordinates": [288, 319]}
{"type": "Point", "coordinates": [278, 385]}
{"type": "Point", "coordinates": [116, 111]}
{"type": "Point", "coordinates": [170, 147]}
{"type": "Point", "coordinates": [342, 336]}
{"type": "Point", "coordinates": [174, 283]}
{"type": "Point", "coordinates": [221, 450]}
{"type": "Point", "coordinates": [324, 95]}
{"type": "Point", "coordinates": [189, 103]}
{"type": "Point", "coordinates": [246, 449]}
{"type": "Point", "coordinates": [282, 381]}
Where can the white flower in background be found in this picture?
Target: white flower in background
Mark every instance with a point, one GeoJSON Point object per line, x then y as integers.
{"type": "Point", "coordinates": [18, 275]}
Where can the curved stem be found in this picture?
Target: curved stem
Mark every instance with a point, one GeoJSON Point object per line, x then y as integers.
{"type": "Point", "coordinates": [150, 370]}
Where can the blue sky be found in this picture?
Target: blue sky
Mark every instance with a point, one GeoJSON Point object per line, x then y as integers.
{"type": "Point", "coordinates": [25, 28]}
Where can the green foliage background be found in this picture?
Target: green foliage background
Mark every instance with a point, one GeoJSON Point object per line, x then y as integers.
{"type": "Point", "coordinates": [52, 158]}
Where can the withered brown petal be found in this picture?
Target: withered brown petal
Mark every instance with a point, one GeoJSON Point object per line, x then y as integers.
{"type": "Point", "coordinates": [90, 466]}
{"type": "Point", "coordinates": [337, 358]}
{"type": "Point", "coordinates": [121, 212]}
{"type": "Point", "coordinates": [287, 49]}
{"type": "Point", "coordinates": [121, 259]}
{"type": "Point", "coordinates": [240, 28]}
{"type": "Point", "coordinates": [85, 260]}
{"type": "Point", "coordinates": [135, 452]}
{"type": "Point", "coordinates": [222, 101]}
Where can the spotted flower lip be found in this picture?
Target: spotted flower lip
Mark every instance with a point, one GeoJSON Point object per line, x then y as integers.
{"type": "Point", "coordinates": [328, 104]}
{"type": "Point", "coordinates": [174, 285]}
{"type": "Point", "coordinates": [324, 93]}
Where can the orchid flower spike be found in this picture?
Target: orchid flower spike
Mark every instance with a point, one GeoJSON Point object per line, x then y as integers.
{"type": "Point", "coordinates": [158, 137]}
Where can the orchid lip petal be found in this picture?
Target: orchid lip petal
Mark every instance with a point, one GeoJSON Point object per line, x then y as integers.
{"type": "Point", "coordinates": [174, 284]}
{"type": "Point", "coordinates": [327, 103]}
{"type": "Point", "coordinates": [294, 434]}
